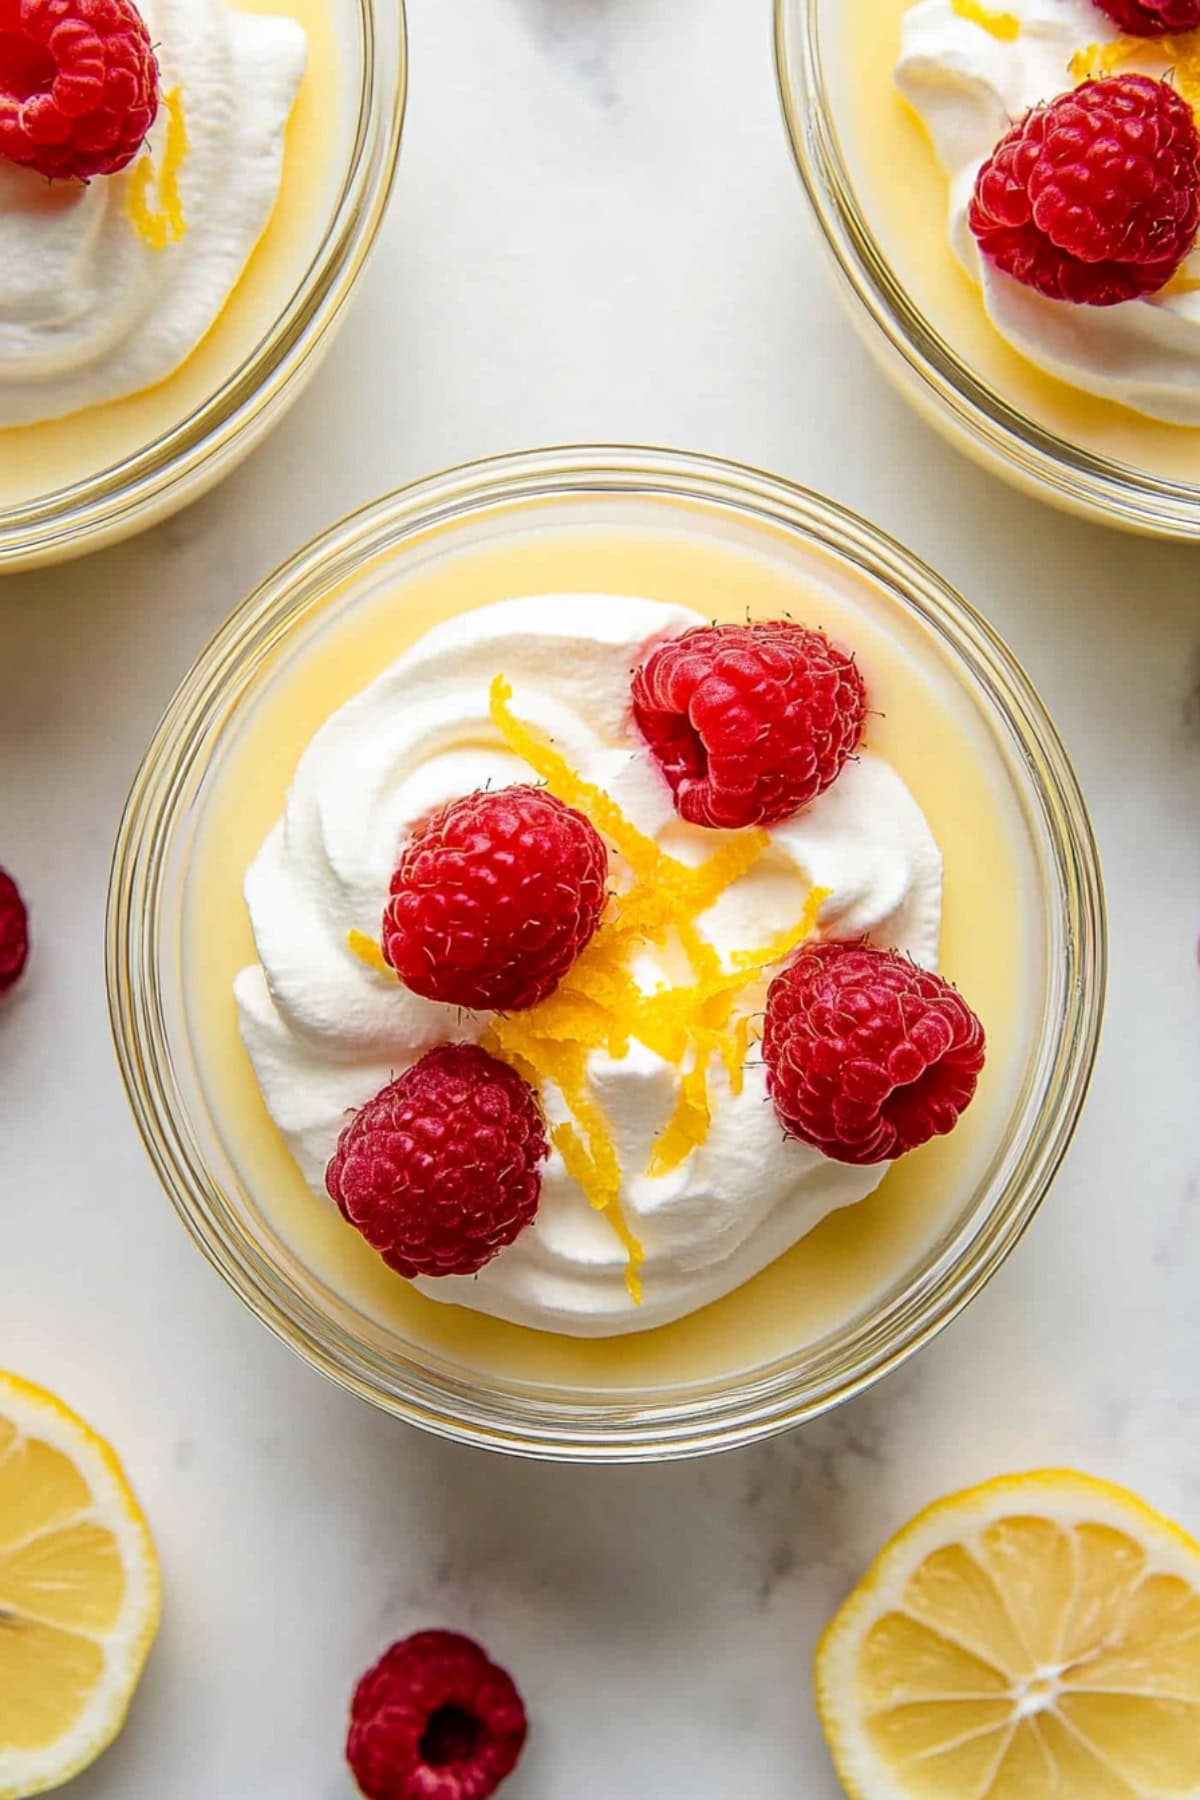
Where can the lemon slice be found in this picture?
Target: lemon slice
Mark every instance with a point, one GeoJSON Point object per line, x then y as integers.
{"type": "Point", "coordinates": [1034, 1639]}
{"type": "Point", "coordinates": [79, 1592]}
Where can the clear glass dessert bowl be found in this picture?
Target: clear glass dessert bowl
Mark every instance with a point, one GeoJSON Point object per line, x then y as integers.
{"type": "Point", "coordinates": [71, 485]}
{"type": "Point", "coordinates": [1023, 932]}
{"type": "Point", "coordinates": [881, 204]}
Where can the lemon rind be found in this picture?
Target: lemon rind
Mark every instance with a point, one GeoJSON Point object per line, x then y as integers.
{"type": "Point", "coordinates": [35, 1411]}
{"type": "Point", "coordinates": [1065, 1496]}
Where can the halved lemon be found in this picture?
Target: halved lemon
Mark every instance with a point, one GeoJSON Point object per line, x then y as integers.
{"type": "Point", "coordinates": [79, 1592]}
{"type": "Point", "coordinates": [1034, 1639]}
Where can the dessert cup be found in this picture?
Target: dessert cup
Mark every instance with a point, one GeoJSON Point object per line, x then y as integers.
{"type": "Point", "coordinates": [880, 201]}
{"type": "Point", "coordinates": [71, 485]}
{"type": "Point", "coordinates": [1024, 929]}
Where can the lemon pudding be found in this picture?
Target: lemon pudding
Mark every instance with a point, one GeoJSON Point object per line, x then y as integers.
{"type": "Point", "coordinates": [643, 1052]}
{"type": "Point", "coordinates": [921, 96]}
{"type": "Point", "coordinates": [436, 689]}
{"type": "Point", "coordinates": [131, 297]}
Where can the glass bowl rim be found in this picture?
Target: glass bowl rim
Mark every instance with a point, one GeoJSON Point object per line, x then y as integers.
{"type": "Point", "coordinates": [1079, 480]}
{"type": "Point", "coordinates": [697, 1418]}
{"type": "Point", "coordinates": [70, 520]}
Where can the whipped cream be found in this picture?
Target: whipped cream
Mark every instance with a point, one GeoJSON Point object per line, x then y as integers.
{"type": "Point", "coordinates": [968, 86]}
{"type": "Point", "coordinates": [325, 1032]}
{"type": "Point", "coordinates": [90, 310]}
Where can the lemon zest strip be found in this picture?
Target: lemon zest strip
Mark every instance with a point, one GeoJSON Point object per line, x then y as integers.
{"type": "Point", "coordinates": [597, 1005]}
{"type": "Point", "coordinates": [161, 222]}
{"type": "Point", "coordinates": [1002, 25]}
{"type": "Point", "coordinates": [368, 951]}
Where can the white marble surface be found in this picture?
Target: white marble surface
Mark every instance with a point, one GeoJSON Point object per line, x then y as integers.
{"type": "Point", "coordinates": [597, 233]}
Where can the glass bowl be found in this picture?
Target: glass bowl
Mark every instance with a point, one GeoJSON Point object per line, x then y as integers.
{"type": "Point", "coordinates": [1090, 457]}
{"type": "Point", "coordinates": [228, 403]}
{"type": "Point", "coordinates": [643, 1397]}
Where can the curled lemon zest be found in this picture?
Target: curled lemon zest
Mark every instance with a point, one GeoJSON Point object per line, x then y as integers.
{"type": "Point", "coordinates": [160, 221]}
{"type": "Point", "coordinates": [368, 952]}
{"type": "Point", "coordinates": [1002, 25]}
{"type": "Point", "coordinates": [689, 1123]}
{"type": "Point", "coordinates": [640, 852]}
{"type": "Point", "coordinates": [599, 1007]}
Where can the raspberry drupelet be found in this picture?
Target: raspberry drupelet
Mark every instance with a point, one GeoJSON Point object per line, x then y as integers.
{"type": "Point", "coordinates": [1152, 18]}
{"type": "Point", "coordinates": [79, 86]}
{"type": "Point", "coordinates": [494, 898]}
{"type": "Point", "coordinates": [442, 1169]}
{"type": "Point", "coordinates": [749, 722]}
{"type": "Point", "coordinates": [435, 1719]}
{"type": "Point", "coordinates": [867, 1055]}
{"type": "Point", "coordinates": [1095, 198]}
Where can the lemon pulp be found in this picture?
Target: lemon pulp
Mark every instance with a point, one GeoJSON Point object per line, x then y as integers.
{"type": "Point", "coordinates": [1035, 1639]}
{"type": "Point", "coordinates": [79, 1592]}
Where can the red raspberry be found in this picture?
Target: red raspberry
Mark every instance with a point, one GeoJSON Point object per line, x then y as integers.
{"type": "Point", "coordinates": [1152, 18]}
{"type": "Point", "coordinates": [749, 722]}
{"type": "Point", "coordinates": [494, 898]}
{"type": "Point", "coordinates": [868, 1056]}
{"type": "Point", "coordinates": [1094, 198]}
{"type": "Point", "coordinates": [78, 85]}
{"type": "Point", "coordinates": [440, 1171]}
{"type": "Point", "coordinates": [14, 932]}
{"type": "Point", "coordinates": [435, 1720]}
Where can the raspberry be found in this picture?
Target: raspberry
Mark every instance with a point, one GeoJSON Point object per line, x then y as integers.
{"type": "Point", "coordinates": [868, 1056]}
{"type": "Point", "coordinates": [1152, 18]}
{"type": "Point", "coordinates": [749, 722]}
{"type": "Point", "coordinates": [78, 85]}
{"type": "Point", "coordinates": [434, 1720]}
{"type": "Point", "coordinates": [439, 1172]}
{"type": "Point", "coordinates": [14, 932]}
{"type": "Point", "coordinates": [494, 898]}
{"type": "Point", "coordinates": [1094, 198]}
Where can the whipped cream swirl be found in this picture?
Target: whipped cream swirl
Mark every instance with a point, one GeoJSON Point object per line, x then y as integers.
{"type": "Point", "coordinates": [325, 1032]}
{"type": "Point", "coordinates": [968, 85]}
{"type": "Point", "coordinates": [107, 288]}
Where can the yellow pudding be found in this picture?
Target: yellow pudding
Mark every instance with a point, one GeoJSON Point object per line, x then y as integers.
{"type": "Point", "coordinates": [37, 461]}
{"type": "Point", "coordinates": [903, 193]}
{"type": "Point", "coordinates": [957, 729]}
{"type": "Point", "coordinates": [924, 723]}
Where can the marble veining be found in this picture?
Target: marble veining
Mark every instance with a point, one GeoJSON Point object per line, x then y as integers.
{"type": "Point", "coordinates": [578, 35]}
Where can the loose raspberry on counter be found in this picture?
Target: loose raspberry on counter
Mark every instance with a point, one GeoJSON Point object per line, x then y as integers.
{"type": "Point", "coordinates": [79, 85]}
{"type": "Point", "coordinates": [494, 898]}
{"type": "Point", "coordinates": [441, 1170]}
{"type": "Point", "coordinates": [1094, 198]}
{"type": "Point", "coordinates": [14, 933]}
{"type": "Point", "coordinates": [749, 722]}
{"type": "Point", "coordinates": [435, 1719]}
{"type": "Point", "coordinates": [1152, 18]}
{"type": "Point", "coordinates": [867, 1055]}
